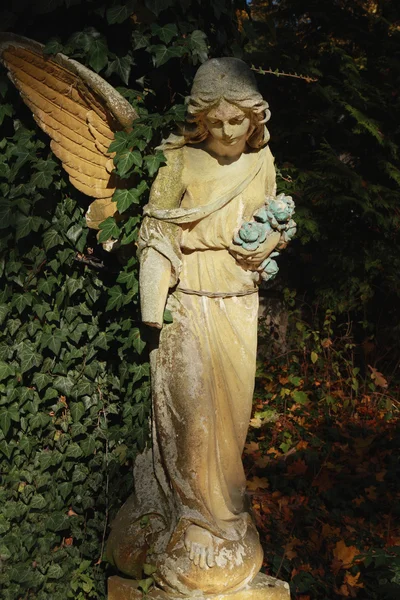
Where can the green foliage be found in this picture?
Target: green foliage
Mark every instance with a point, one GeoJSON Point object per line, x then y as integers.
{"type": "Point", "coordinates": [337, 149]}
{"type": "Point", "coordinates": [74, 376]}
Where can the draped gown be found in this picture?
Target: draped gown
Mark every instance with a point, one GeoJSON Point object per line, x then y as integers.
{"type": "Point", "coordinates": [204, 366]}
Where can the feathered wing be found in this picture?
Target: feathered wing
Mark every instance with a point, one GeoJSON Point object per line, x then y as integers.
{"type": "Point", "coordinates": [78, 110]}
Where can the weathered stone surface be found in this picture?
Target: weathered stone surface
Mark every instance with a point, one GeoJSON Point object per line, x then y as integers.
{"type": "Point", "coordinates": [192, 492]}
{"type": "Point", "coordinates": [262, 588]}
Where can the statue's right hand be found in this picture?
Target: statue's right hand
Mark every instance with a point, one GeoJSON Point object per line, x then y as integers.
{"type": "Point", "coordinates": [252, 259]}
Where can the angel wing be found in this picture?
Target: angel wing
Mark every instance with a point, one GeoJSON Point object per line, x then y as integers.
{"type": "Point", "coordinates": [78, 109]}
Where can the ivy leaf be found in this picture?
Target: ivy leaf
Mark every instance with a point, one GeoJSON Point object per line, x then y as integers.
{"type": "Point", "coordinates": [57, 521]}
{"type": "Point", "coordinates": [136, 340]}
{"type": "Point", "coordinates": [7, 213]}
{"type": "Point", "coordinates": [119, 13]}
{"type": "Point", "coordinates": [73, 285]}
{"type": "Point", "coordinates": [74, 233]}
{"type": "Point", "coordinates": [122, 66]}
{"type": "Point", "coordinates": [26, 224]}
{"type": "Point", "coordinates": [64, 384]}
{"type": "Point", "coordinates": [77, 410]}
{"type": "Point", "coordinates": [140, 371]}
{"type": "Point", "coordinates": [38, 501]}
{"type": "Point", "coordinates": [6, 110]}
{"type": "Point", "coordinates": [168, 318]}
{"type": "Point", "coordinates": [25, 445]}
{"type": "Point", "coordinates": [166, 33]}
{"type": "Point", "coordinates": [198, 45]}
{"type": "Point", "coordinates": [98, 55]}
{"type": "Point", "coordinates": [126, 159]}
{"type": "Point", "coordinates": [51, 238]}
{"type": "Point", "coordinates": [129, 278]}
{"type": "Point", "coordinates": [120, 142]}
{"type": "Point", "coordinates": [55, 572]}
{"type": "Point", "coordinates": [7, 415]}
{"type": "Point", "coordinates": [108, 230]}
{"type": "Point", "coordinates": [116, 298]}
{"type": "Point", "coordinates": [41, 179]}
{"type": "Point", "coordinates": [4, 309]}
{"type": "Point", "coordinates": [5, 371]}
{"type": "Point", "coordinates": [125, 198]}
{"type": "Point", "coordinates": [21, 301]}
{"type": "Point", "coordinates": [6, 449]}
{"type": "Point", "coordinates": [139, 40]}
{"type": "Point", "coordinates": [41, 380]}
{"type": "Point", "coordinates": [88, 445]}
{"type": "Point", "coordinates": [157, 6]}
{"type": "Point", "coordinates": [28, 356]}
{"type": "Point", "coordinates": [162, 54]}
{"type": "Point", "coordinates": [73, 450]}
{"type": "Point", "coordinates": [53, 46]}
{"type": "Point", "coordinates": [154, 161]}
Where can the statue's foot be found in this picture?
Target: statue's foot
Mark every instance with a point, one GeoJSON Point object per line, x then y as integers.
{"type": "Point", "coordinates": [200, 545]}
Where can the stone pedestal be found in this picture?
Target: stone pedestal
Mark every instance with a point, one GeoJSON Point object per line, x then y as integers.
{"type": "Point", "coordinates": [262, 588]}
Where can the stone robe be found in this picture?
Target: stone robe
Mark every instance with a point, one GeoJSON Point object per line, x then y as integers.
{"type": "Point", "coordinates": [203, 368]}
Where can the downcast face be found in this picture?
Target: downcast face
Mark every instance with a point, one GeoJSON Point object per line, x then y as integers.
{"type": "Point", "coordinates": [227, 123]}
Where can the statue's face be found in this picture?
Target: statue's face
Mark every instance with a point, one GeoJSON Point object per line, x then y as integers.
{"type": "Point", "coordinates": [227, 124]}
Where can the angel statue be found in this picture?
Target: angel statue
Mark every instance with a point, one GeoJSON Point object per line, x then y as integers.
{"type": "Point", "coordinates": [212, 222]}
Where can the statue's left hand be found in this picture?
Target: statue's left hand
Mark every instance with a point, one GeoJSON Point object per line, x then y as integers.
{"type": "Point", "coordinates": [252, 259]}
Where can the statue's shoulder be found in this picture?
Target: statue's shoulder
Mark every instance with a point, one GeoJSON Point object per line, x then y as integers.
{"type": "Point", "coordinates": [168, 187]}
{"type": "Point", "coordinates": [174, 161]}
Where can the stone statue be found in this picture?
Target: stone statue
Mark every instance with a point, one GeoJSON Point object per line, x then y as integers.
{"type": "Point", "coordinates": [210, 232]}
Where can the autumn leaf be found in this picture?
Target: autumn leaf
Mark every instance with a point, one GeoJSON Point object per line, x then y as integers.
{"type": "Point", "coordinates": [298, 467]}
{"type": "Point", "coordinates": [257, 483]}
{"type": "Point", "coordinates": [353, 580]}
{"type": "Point", "coordinates": [378, 378]}
{"type": "Point", "coordinates": [262, 461]}
{"type": "Point", "coordinates": [345, 554]}
{"type": "Point", "coordinates": [324, 481]}
{"type": "Point", "coordinates": [371, 492]}
{"type": "Point", "coordinates": [302, 445]}
{"type": "Point", "coordinates": [251, 448]}
{"type": "Point", "coordinates": [358, 501]}
{"type": "Point", "coordinates": [381, 475]}
{"type": "Point", "coordinates": [289, 548]}
{"type": "Point", "coordinates": [328, 531]}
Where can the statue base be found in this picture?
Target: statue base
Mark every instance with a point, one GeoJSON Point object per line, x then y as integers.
{"type": "Point", "coordinates": [262, 587]}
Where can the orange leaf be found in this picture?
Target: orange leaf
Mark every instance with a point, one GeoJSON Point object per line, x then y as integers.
{"type": "Point", "coordinates": [345, 554]}
{"type": "Point", "coordinates": [257, 483]}
{"type": "Point", "coordinates": [328, 531]}
{"type": "Point", "coordinates": [352, 580]}
{"type": "Point", "coordinates": [251, 447]}
{"type": "Point", "coordinates": [344, 590]}
{"type": "Point", "coordinates": [298, 467]}
{"type": "Point", "coordinates": [358, 501]}
{"type": "Point", "coordinates": [371, 492]}
{"type": "Point", "coordinates": [262, 461]}
{"type": "Point", "coordinates": [302, 445]}
{"type": "Point", "coordinates": [377, 377]}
